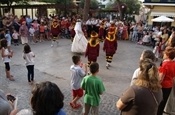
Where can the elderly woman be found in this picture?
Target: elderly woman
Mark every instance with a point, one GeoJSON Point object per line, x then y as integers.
{"type": "Point", "coordinates": [47, 95]}
{"type": "Point", "coordinates": [24, 32]}
{"type": "Point", "coordinates": [133, 101]}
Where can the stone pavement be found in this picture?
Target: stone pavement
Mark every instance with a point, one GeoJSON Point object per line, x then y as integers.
{"type": "Point", "coordinates": [52, 64]}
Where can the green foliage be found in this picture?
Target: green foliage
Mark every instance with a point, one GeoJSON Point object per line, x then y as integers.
{"type": "Point", "coordinates": [133, 6]}
{"type": "Point", "coordinates": [57, 1]}
{"type": "Point", "coordinates": [94, 4]}
{"type": "Point", "coordinates": [9, 2]}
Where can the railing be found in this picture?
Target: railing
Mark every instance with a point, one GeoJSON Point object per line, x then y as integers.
{"type": "Point", "coordinates": [159, 1]}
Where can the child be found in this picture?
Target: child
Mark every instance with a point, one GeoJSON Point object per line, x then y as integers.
{"type": "Point", "coordinates": [8, 38]}
{"type": "Point", "coordinates": [76, 77]}
{"type": "Point", "coordinates": [110, 46]}
{"type": "Point", "coordinates": [93, 47]}
{"type": "Point", "coordinates": [15, 36]}
{"type": "Point", "coordinates": [156, 51]}
{"type": "Point", "coordinates": [32, 34]}
{"type": "Point", "coordinates": [29, 58]}
{"type": "Point", "coordinates": [6, 55]}
{"type": "Point", "coordinates": [42, 31]}
{"type": "Point", "coordinates": [93, 87]}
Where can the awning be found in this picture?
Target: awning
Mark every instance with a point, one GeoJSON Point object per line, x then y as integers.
{"type": "Point", "coordinates": [168, 14]}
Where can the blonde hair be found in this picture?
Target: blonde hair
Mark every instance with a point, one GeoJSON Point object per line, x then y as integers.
{"type": "Point", "coordinates": [148, 76]}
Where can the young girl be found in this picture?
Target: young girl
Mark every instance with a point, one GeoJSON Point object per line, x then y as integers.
{"type": "Point", "coordinates": [15, 36]}
{"type": "Point", "coordinates": [6, 55]}
{"type": "Point", "coordinates": [8, 38]}
{"type": "Point", "coordinates": [29, 58]}
{"type": "Point", "coordinates": [42, 31]}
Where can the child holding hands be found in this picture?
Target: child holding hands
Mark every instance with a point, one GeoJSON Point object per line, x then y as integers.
{"type": "Point", "coordinates": [93, 87]}
{"type": "Point", "coordinates": [76, 77]}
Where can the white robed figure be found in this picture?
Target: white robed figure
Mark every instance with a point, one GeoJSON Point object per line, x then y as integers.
{"type": "Point", "coordinates": [79, 43]}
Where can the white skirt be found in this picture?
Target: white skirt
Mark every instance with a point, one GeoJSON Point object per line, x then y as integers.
{"type": "Point", "coordinates": [79, 43]}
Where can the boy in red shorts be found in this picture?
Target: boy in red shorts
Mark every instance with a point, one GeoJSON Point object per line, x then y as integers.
{"type": "Point", "coordinates": [76, 77]}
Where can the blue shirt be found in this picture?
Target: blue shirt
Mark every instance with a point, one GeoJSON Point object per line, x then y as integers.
{"type": "Point", "coordinates": [61, 112]}
{"type": "Point", "coordinates": [8, 37]}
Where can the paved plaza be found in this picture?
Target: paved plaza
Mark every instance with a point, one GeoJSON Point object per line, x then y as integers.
{"type": "Point", "coordinates": [53, 63]}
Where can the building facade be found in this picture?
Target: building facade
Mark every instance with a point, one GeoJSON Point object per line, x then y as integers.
{"type": "Point", "coordinates": [160, 7]}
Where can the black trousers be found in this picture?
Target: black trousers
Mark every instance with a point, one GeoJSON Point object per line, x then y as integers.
{"type": "Point", "coordinates": [30, 74]}
{"type": "Point", "coordinates": [166, 92]}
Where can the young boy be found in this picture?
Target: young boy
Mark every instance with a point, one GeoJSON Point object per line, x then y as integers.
{"type": "Point", "coordinates": [76, 77]}
{"type": "Point", "coordinates": [93, 87]}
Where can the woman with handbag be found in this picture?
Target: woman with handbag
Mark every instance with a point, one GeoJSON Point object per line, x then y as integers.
{"type": "Point", "coordinates": [144, 96]}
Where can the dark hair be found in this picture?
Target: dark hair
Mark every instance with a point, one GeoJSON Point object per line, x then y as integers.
{"type": "Point", "coordinates": [75, 59]}
{"type": "Point", "coordinates": [27, 48]}
{"type": "Point", "coordinates": [47, 99]}
{"type": "Point", "coordinates": [148, 54]}
{"type": "Point", "coordinates": [170, 52]}
{"type": "Point", "coordinates": [94, 67]}
{"type": "Point", "coordinates": [3, 43]}
{"type": "Point", "coordinates": [7, 31]}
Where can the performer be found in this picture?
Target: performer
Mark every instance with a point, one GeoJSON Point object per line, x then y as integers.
{"type": "Point", "coordinates": [101, 32]}
{"type": "Point", "coordinates": [112, 28]}
{"type": "Point", "coordinates": [89, 27]}
{"type": "Point", "coordinates": [79, 43]}
{"type": "Point", "coordinates": [55, 31]}
{"type": "Point", "coordinates": [110, 46]}
{"type": "Point", "coordinates": [93, 48]}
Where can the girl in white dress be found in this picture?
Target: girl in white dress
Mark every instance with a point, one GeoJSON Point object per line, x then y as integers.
{"type": "Point", "coordinates": [79, 43]}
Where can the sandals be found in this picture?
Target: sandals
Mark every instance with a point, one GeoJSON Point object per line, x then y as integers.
{"type": "Point", "coordinates": [11, 78]}
{"type": "Point", "coordinates": [75, 106]}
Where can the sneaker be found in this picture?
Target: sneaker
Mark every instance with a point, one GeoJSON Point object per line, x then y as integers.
{"type": "Point", "coordinates": [51, 45]}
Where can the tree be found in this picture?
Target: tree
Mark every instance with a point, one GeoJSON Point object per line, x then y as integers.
{"type": "Point", "coordinates": [86, 10]}
{"type": "Point", "coordinates": [64, 3]}
{"type": "Point", "coordinates": [9, 2]}
{"type": "Point", "coordinates": [87, 5]}
{"type": "Point", "coordinates": [126, 7]}
{"type": "Point", "coordinates": [94, 4]}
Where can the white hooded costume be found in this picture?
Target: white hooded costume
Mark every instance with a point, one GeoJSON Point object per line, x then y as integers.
{"type": "Point", "coordinates": [79, 42]}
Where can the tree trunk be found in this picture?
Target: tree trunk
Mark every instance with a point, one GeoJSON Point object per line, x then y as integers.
{"type": "Point", "coordinates": [119, 9]}
{"type": "Point", "coordinates": [86, 10]}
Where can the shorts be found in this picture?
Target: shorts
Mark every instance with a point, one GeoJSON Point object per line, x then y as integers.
{"type": "Point", "coordinates": [92, 109]}
{"type": "Point", "coordinates": [78, 92]}
{"type": "Point", "coordinates": [42, 32]}
{"type": "Point", "coordinates": [7, 66]}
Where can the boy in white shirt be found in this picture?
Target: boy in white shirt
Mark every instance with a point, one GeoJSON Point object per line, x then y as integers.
{"type": "Point", "coordinates": [32, 34]}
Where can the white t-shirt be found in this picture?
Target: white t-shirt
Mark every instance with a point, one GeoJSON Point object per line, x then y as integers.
{"type": "Point", "coordinates": [31, 31]}
{"type": "Point", "coordinates": [15, 36]}
{"type": "Point", "coordinates": [6, 58]}
{"type": "Point", "coordinates": [29, 58]}
{"type": "Point", "coordinates": [135, 75]}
